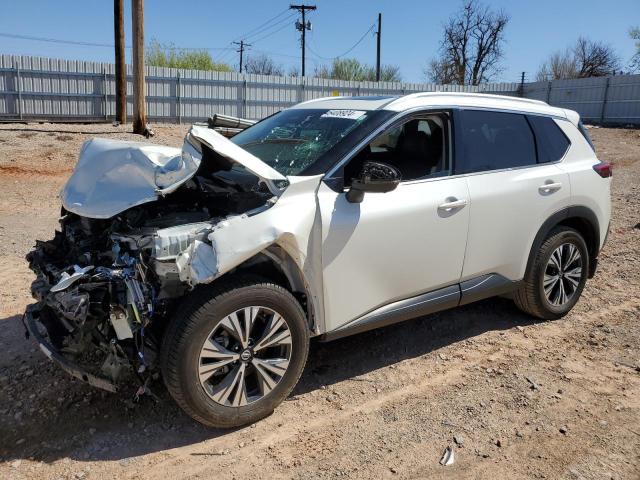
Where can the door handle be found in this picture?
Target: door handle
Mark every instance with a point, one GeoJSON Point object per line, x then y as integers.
{"type": "Point", "coordinates": [550, 187]}
{"type": "Point", "coordinates": [452, 203]}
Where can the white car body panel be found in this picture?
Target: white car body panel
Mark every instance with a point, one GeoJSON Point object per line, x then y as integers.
{"type": "Point", "coordinates": [391, 246]}
{"type": "Point", "coordinates": [587, 189]}
{"type": "Point", "coordinates": [354, 257]}
{"type": "Point", "coordinates": [292, 223]}
{"type": "Point", "coordinates": [507, 209]}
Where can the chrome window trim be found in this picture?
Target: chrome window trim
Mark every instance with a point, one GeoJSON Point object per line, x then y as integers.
{"type": "Point", "coordinates": [431, 110]}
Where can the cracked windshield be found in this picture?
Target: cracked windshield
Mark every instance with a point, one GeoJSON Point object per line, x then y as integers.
{"type": "Point", "coordinates": [292, 140]}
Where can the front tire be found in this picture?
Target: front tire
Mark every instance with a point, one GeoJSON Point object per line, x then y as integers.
{"type": "Point", "coordinates": [555, 281]}
{"type": "Point", "coordinates": [234, 351]}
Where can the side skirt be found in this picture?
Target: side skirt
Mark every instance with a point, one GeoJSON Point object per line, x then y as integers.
{"type": "Point", "coordinates": [463, 293]}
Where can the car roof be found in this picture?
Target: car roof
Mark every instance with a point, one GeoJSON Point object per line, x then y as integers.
{"type": "Point", "coordinates": [440, 100]}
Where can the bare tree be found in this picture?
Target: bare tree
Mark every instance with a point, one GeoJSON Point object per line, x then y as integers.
{"type": "Point", "coordinates": [587, 58]}
{"type": "Point", "coordinates": [294, 71]}
{"type": "Point", "coordinates": [472, 46]}
{"type": "Point", "coordinates": [595, 59]}
{"type": "Point", "coordinates": [634, 33]}
{"type": "Point", "coordinates": [262, 64]}
{"type": "Point", "coordinates": [558, 65]}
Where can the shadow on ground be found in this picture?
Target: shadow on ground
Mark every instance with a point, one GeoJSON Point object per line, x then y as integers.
{"type": "Point", "coordinates": [45, 415]}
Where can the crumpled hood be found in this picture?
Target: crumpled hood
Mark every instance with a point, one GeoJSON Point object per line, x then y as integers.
{"type": "Point", "coordinates": [112, 175]}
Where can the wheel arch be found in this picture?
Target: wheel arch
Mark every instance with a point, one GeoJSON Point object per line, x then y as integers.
{"type": "Point", "coordinates": [276, 265]}
{"type": "Point", "coordinates": [580, 218]}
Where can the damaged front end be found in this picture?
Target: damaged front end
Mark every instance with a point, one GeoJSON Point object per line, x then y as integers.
{"type": "Point", "coordinates": [110, 276]}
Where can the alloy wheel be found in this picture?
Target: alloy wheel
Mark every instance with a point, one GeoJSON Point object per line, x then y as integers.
{"type": "Point", "coordinates": [562, 274]}
{"type": "Point", "coordinates": [245, 356]}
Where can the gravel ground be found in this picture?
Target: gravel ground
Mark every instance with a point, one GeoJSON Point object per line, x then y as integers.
{"type": "Point", "coordinates": [513, 397]}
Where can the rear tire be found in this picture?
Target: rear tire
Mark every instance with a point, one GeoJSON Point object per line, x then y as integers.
{"type": "Point", "coordinates": [254, 375]}
{"type": "Point", "coordinates": [555, 280]}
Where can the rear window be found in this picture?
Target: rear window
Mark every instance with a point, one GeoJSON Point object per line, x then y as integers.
{"type": "Point", "coordinates": [551, 142]}
{"type": "Point", "coordinates": [493, 141]}
{"type": "Point", "coordinates": [586, 136]}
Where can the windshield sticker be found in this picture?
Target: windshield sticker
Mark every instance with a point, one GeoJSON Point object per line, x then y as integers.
{"type": "Point", "coordinates": [350, 114]}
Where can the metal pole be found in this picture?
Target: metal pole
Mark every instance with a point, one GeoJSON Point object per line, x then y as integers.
{"type": "Point", "coordinates": [104, 88]}
{"type": "Point", "coordinates": [19, 88]}
{"type": "Point", "coordinates": [379, 33]}
{"type": "Point", "coordinates": [604, 99]}
{"type": "Point", "coordinates": [549, 85]}
{"type": "Point", "coordinates": [522, 85]}
{"type": "Point", "coordinates": [244, 98]}
{"type": "Point", "coordinates": [178, 103]}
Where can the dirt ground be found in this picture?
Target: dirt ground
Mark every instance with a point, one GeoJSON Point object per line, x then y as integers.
{"type": "Point", "coordinates": [514, 397]}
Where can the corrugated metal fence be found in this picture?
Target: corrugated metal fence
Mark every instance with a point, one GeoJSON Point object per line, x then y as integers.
{"type": "Point", "coordinates": [34, 88]}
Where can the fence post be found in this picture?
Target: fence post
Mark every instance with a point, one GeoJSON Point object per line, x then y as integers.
{"type": "Point", "coordinates": [549, 83]}
{"type": "Point", "coordinates": [104, 89]}
{"type": "Point", "coordinates": [604, 99]}
{"type": "Point", "coordinates": [244, 98]}
{"type": "Point", "coordinates": [19, 88]}
{"type": "Point", "coordinates": [178, 102]}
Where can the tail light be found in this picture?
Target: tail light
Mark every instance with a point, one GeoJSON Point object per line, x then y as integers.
{"type": "Point", "coordinates": [604, 169]}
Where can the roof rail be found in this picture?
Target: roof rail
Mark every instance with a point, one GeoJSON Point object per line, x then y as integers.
{"type": "Point", "coordinates": [477, 95]}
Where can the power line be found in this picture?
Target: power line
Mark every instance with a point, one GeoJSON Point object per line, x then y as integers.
{"type": "Point", "coordinates": [252, 31]}
{"type": "Point", "coordinates": [357, 43]}
{"type": "Point", "coordinates": [92, 44]}
{"type": "Point", "coordinates": [347, 51]}
{"type": "Point", "coordinates": [265, 26]}
{"type": "Point", "coordinates": [284, 21]}
{"type": "Point", "coordinates": [269, 34]}
{"type": "Point", "coordinates": [56, 40]}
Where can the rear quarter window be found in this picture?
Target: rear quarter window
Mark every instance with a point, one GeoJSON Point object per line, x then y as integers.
{"type": "Point", "coordinates": [551, 142]}
{"type": "Point", "coordinates": [493, 141]}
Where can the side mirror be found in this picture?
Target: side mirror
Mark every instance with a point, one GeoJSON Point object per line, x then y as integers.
{"type": "Point", "coordinates": [375, 177]}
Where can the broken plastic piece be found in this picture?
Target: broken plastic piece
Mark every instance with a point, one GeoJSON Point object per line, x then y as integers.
{"type": "Point", "coordinates": [448, 457]}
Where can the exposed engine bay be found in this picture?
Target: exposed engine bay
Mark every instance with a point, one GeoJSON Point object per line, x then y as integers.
{"type": "Point", "coordinates": [105, 285]}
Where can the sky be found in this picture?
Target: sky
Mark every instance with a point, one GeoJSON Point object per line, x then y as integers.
{"type": "Point", "coordinates": [411, 29]}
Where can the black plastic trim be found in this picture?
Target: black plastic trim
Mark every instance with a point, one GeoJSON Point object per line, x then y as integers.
{"type": "Point", "coordinates": [399, 311]}
{"type": "Point", "coordinates": [31, 316]}
{"type": "Point", "coordinates": [486, 286]}
{"type": "Point", "coordinates": [576, 211]}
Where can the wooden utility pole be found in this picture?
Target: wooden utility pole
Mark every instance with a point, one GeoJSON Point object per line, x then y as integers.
{"type": "Point", "coordinates": [139, 113]}
{"type": "Point", "coordinates": [378, 34]}
{"type": "Point", "coordinates": [242, 47]}
{"type": "Point", "coordinates": [121, 73]}
{"type": "Point", "coordinates": [303, 27]}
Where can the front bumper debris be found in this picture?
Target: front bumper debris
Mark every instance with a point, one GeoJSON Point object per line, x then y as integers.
{"type": "Point", "coordinates": [36, 329]}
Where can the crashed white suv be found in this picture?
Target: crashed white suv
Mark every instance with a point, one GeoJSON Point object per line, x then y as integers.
{"type": "Point", "coordinates": [215, 264]}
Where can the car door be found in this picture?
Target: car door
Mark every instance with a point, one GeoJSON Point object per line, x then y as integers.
{"type": "Point", "coordinates": [512, 190]}
{"type": "Point", "coordinates": [392, 246]}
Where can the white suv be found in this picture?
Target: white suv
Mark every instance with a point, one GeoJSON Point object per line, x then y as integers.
{"type": "Point", "coordinates": [215, 264]}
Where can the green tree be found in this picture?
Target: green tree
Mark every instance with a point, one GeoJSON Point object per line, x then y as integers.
{"type": "Point", "coordinates": [167, 55]}
{"type": "Point", "coordinates": [354, 70]}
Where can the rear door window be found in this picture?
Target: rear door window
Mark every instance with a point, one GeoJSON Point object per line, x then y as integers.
{"type": "Point", "coordinates": [551, 142]}
{"type": "Point", "coordinates": [488, 140]}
